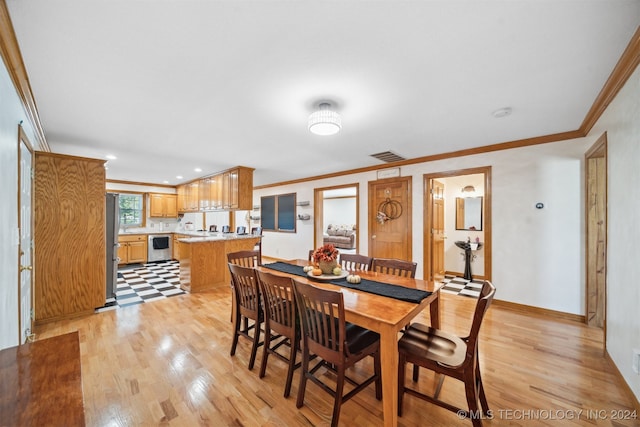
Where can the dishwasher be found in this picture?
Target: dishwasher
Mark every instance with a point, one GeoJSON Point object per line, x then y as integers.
{"type": "Point", "coordinates": [159, 247]}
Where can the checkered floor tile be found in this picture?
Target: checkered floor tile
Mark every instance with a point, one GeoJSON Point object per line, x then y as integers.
{"type": "Point", "coordinates": [145, 283]}
{"type": "Point", "coordinates": [459, 286]}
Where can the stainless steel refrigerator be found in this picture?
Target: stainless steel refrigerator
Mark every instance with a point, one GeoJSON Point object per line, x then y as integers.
{"type": "Point", "coordinates": [113, 227]}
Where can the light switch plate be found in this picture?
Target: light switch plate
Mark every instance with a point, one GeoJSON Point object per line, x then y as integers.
{"type": "Point", "coordinates": [636, 361]}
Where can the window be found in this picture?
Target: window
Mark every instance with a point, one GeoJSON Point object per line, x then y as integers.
{"type": "Point", "coordinates": [278, 213]}
{"type": "Point", "coordinates": [132, 210]}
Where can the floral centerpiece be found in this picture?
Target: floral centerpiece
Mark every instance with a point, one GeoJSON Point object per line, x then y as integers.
{"type": "Point", "coordinates": [326, 256]}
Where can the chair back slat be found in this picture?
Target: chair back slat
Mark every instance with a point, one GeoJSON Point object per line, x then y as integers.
{"type": "Point", "coordinates": [322, 318]}
{"type": "Point", "coordinates": [394, 267]}
{"type": "Point", "coordinates": [353, 262]}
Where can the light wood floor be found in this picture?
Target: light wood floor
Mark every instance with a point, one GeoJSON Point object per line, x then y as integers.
{"type": "Point", "coordinates": [167, 363]}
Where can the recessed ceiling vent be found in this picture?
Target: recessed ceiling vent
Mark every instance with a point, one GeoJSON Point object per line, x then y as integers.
{"type": "Point", "coordinates": [388, 157]}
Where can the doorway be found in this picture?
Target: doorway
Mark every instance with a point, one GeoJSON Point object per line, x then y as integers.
{"type": "Point", "coordinates": [596, 233]}
{"type": "Point", "coordinates": [443, 198]}
{"type": "Point", "coordinates": [25, 248]}
{"type": "Point", "coordinates": [338, 206]}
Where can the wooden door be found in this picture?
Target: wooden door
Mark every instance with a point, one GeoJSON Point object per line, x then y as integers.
{"type": "Point", "coordinates": [437, 230]}
{"type": "Point", "coordinates": [390, 238]}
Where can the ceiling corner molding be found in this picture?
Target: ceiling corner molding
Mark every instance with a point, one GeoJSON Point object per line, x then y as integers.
{"type": "Point", "coordinates": [621, 72]}
{"type": "Point", "coordinates": [10, 52]}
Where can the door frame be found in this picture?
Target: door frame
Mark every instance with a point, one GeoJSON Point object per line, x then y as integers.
{"type": "Point", "coordinates": [23, 139]}
{"type": "Point", "coordinates": [598, 150]}
{"type": "Point", "coordinates": [318, 212]}
{"type": "Point", "coordinates": [427, 217]}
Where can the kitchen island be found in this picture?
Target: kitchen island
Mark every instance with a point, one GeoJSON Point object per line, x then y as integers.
{"type": "Point", "coordinates": [203, 260]}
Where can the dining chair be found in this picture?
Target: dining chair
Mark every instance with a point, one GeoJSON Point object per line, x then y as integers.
{"type": "Point", "coordinates": [338, 345]}
{"type": "Point", "coordinates": [280, 322]}
{"type": "Point", "coordinates": [311, 251]}
{"type": "Point", "coordinates": [213, 228]}
{"type": "Point", "coordinates": [257, 231]}
{"type": "Point", "coordinates": [241, 229]}
{"type": "Point", "coordinates": [248, 308]}
{"type": "Point", "coordinates": [448, 355]}
{"type": "Point", "coordinates": [250, 258]}
{"type": "Point", "coordinates": [355, 262]}
{"type": "Point", "coordinates": [225, 229]}
{"type": "Point", "coordinates": [395, 267]}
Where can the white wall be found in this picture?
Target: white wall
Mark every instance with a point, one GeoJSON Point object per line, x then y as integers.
{"type": "Point", "coordinates": [11, 113]}
{"type": "Point", "coordinates": [340, 211]}
{"type": "Point", "coordinates": [537, 254]}
{"type": "Point", "coordinates": [621, 121]}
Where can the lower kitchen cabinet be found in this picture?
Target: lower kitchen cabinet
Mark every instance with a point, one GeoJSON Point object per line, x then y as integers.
{"type": "Point", "coordinates": [177, 245]}
{"type": "Point", "coordinates": [133, 249]}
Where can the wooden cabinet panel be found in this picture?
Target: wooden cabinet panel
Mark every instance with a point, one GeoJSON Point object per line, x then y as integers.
{"type": "Point", "coordinates": [69, 236]}
{"type": "Point", "coordinates": [137, 252]}
{"type": "Point", "coordinates": [163, 205]}
{"type": "Point", "coordinates": [177, 246]}
{"type": "Point", "coordinates": [133, 249]}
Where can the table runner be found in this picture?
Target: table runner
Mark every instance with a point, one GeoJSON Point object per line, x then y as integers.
{"type": "Point", "coordinates": [383, 289]}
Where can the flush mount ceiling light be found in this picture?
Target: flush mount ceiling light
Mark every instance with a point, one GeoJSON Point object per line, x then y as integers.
{"type": "Point", "coordinates": [325, 121]}
{"type": "Point", "coordinates": [468, 189]}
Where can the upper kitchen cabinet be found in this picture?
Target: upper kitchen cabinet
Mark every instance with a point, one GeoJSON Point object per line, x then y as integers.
{"type": "Point", "coordinates": [228, 190]}
{"type": "Point", "coordinates": [188, 197]}
{"type": "Point", "coordinates": [163, 205]}
{"type": "Point", "coordinates": [69, 236]}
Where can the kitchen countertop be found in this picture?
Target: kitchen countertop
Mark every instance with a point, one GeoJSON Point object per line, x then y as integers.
{"type": "Point", "coordinates": [205, 236]}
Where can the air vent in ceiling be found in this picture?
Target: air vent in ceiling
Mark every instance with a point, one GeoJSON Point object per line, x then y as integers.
{"type": "Point", "coordinates": [388, 157]}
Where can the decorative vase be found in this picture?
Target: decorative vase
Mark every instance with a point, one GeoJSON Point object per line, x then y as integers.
{"type": "Point", "coordinates": [327, 266]}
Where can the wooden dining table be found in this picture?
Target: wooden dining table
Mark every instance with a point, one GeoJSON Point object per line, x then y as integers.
{"type": "Point", "coordinates": [384, 315]}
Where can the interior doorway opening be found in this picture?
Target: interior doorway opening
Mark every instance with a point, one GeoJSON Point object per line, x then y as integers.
{"type": "Point", "coordinates": [457, 207]}
{"type": "Point", "coordinates": [596, 233]}
{"type": "Point", "coordinates": [336, 213]}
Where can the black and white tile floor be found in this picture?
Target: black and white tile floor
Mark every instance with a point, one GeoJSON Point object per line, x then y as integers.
{"type": "Point", "coordinates": [145, 283]}
{"type": "Point", "coordinates": [460, 286]}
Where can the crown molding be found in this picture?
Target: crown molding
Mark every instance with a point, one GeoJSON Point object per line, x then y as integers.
{"type": "Point", "coordinates": [10, 52]}
{"type": "Point", "coordinates": [626, 65]}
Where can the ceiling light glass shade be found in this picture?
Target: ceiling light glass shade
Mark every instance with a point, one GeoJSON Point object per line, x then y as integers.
{"type": "Point", "coordinates": [469, 189]}
{"type": "Point", "coordinates": [325, 121]}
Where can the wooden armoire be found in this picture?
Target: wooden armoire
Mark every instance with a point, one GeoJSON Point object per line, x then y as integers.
{"type": "Point", "coordinates": [69, 236]}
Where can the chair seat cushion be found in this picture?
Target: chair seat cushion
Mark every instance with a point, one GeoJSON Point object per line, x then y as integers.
{"type": "Point", "coordinates": [359, 338]}
{"type": "Point", "coordinates": [433, 344]}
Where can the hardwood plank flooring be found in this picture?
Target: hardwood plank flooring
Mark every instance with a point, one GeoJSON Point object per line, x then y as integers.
{"type": "Point", "coordinates": [167, 363]}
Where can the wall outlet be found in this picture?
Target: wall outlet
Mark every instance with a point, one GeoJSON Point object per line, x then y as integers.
{"type": "Point", "coordinates": [636, 361]}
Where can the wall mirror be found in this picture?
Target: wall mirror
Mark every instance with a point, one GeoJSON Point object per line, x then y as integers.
{"type": "Point", "coordinates": [469, 213]}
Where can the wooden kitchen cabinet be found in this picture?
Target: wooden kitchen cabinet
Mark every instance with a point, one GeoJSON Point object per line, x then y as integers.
{"type": "Point", "coordinates": [69, 236]}
{"type": "Point", "coordinates": [228, 190]}
{"type": "Point", "coordinates": [177, 245]}
{"type": "Point", "coordinates": [133, 249]}
{"type": "Point", "coordinates": [163, 205]}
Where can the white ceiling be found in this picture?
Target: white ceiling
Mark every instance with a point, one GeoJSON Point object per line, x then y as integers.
{"type": "Point", "coordinates": [171, 85]}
